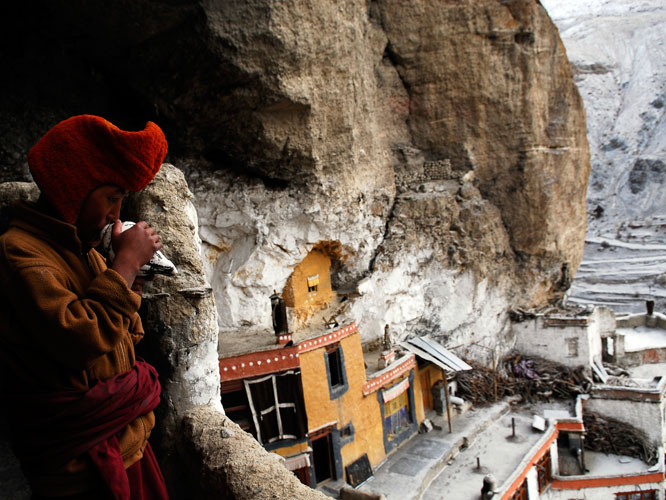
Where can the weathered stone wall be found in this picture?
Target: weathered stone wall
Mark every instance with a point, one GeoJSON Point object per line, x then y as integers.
{"type": "Point", "coordinates": [178, 313]}
{"type": "Point", "coordinates": [645, 415]}
{"type": "Point", "coordinates": [569, 340]}
{"type": "Point", "coordinates": [227, 463]}
{"type": "Point", "coordinates": [201, 450]}
{"type": "Point", "coordinates": [442, 144]}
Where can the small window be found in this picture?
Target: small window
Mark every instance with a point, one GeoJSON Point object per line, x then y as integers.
{"type": "Point", "coordinates": [521, 492]}
{"type": "Point", "coordinates": [335, 370]}
{"type": "Point", "coordinates": [544, 472]}
{"type": "Point", "coordinates": [335, 367]}
{"type": "Point", "coordinates": [347, 434]}
{"type": "Point", "coordinates": [572, 345]}
{"type": "Point", "coordinates": [313, 283]}
{"type": "Point", "coordinates": [637, 495]}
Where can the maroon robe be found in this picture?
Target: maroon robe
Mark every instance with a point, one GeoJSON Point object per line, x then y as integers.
{"type": "Point", "coordinates": [59, 426]}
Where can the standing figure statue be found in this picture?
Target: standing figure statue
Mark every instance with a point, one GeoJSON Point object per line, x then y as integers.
{"type": "Point", "coordinates": [388, 341]}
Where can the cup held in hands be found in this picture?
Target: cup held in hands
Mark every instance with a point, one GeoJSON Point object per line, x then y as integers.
{"type": "Point", "coordinates": [158, 264]}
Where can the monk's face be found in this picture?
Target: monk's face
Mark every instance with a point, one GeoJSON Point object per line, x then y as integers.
{"type": "Point", "coordinates": [102, 207]}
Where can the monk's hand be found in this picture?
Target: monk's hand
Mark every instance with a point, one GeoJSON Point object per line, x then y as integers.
{"type": "Point", "coordinates": [133, 248]}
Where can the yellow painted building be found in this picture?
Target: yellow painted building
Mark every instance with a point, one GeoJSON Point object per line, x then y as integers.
{"type": "Point", "coordinates": [308, 289]}
{"type": "Point", "coordinates": [339, 405]}
{"type": "Point", "coordinates": [426, 376]}
{"type": "Point", "coordinates": [323, 415]}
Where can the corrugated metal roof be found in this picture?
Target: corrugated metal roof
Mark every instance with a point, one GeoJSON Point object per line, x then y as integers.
{"type": "Point", "coordinates": [430, 349]}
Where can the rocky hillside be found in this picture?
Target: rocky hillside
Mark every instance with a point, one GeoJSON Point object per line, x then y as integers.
{"type": "Point", "coordinates": [438, 147]}
{"type": "Point", "coordinates": [617, 50]}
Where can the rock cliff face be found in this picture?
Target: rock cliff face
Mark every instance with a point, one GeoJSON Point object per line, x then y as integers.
{"type": "Point", "coordinates": [440, 145]}
{"type": "Point", "coordinates": [437, 148]}
{"type": "Point", "coordinates": [616, 50]}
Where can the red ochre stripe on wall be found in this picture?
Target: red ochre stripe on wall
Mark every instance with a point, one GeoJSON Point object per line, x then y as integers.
{"type": "Point", "coordinates": [283, 358]}
{"type": "Point", "coordinates": [328, 338]}
{"type": "Point", "coordinates": [570, 426]}
{"type": "Point", "coordinates": [258, 363]}
{"type": "Point", "coordinates": [597, 482]}
{"type": "Point", "coordinates": [378, 382]}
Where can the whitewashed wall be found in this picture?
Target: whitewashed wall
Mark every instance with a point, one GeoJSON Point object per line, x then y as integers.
{"type": "Point", "coordinates": [532, 483]}
{"type": "Point", "coordinates": [602, 324]}
{"type": "Point", "coordinates": [605, 493]}
{"type": "Point", "coordinates": [535, 337]}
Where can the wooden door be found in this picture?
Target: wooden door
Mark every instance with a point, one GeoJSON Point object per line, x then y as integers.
{"type": "Point", "coordinates": [322, 455]}
{"type": "Point", "coordinates": [426, 391]}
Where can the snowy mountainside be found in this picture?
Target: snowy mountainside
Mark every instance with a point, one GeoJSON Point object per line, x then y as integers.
{"type": "Point", "coordinates": [617, 49]}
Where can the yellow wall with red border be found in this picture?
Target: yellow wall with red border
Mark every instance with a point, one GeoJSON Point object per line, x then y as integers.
{"type": "Point", "coordinates": [295, 292]}
{"type": "Point", "coordinates": [362, 411]}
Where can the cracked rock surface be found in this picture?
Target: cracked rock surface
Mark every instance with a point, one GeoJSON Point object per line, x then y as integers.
{"type": "Point", "coordinates": [441, 147]}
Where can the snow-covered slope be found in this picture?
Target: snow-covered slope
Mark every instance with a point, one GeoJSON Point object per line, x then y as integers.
{"type": "Point", "coordinates": [618, 52]}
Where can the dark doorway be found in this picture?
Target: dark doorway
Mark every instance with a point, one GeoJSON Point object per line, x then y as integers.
{"type": "Point", "coordinates": [322, 453]}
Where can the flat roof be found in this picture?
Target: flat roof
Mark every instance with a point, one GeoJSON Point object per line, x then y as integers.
{"type": "Point", "coordinates": [602, 464]}
{"type": "Point", "coordinates": [496, 451]}
{"type": "Point", "coordinates": [253, 339]}
{"type": "Point", "coordinates": [642, 337]}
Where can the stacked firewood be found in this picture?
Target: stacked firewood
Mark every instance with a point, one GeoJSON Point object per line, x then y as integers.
{"type": "Point", "coordinates": [478, 385]}
{"type": "Point", "coordinates": [532, 378]}
{"type": "Point", "coordinates": [535, 379]}
{"type": "Point", "coordinates": [608, 435]}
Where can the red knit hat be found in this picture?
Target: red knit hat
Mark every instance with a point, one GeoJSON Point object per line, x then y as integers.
{"type": "Point", "coordinates": [83, 152]}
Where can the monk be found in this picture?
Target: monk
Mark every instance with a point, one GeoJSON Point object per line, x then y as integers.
{"type": "Point", "coordinates": [79, 403]}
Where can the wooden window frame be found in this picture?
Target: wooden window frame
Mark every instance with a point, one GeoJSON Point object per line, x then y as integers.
{"type": "Point", "coordinates": [313, 283]}
{"type": "Point", "coordinates": [521, 492]}
{"type": "Point", "coordinates": [278, 404]}
{"type": "Point", "coordinates": [335, 370]}
{"type": "Point", "coordinates": [544, 472]}
{"type": "Point", "coordinates": [642, 495]}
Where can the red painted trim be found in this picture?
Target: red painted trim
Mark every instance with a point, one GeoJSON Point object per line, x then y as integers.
{"type": "Point", "coordinates": [377, 383]}
{"type": "Point", "coordinates": [570, 426]}
{"type": "Point", "coordinates": [577, 484]}
{"type": "Point", "coordinates": [598, 482]}
{"type": "Point", "coordinates": [258, 363]}
{"type": "Point", "coordinates": [535, 458]}
{"type": "Point", "coordinates": [283, 339]}
{"type": "Point", "coordinates": [328, 338]}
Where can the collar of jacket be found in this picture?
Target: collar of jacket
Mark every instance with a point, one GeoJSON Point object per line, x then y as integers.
{"type": "Point", "coordinates": [29, 218]}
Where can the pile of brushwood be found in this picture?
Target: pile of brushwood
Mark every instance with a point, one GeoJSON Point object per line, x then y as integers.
{"type": "Point", "coordinates": [538, 379]}
{"type": "Point", "coordinates": [532, 378]}
{"type": "Point", "coordinates": [608, 435]}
